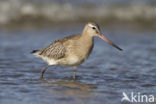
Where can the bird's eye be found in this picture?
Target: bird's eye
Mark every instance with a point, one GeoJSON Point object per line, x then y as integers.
{"type": "Point", "coordinates": [93, 28]}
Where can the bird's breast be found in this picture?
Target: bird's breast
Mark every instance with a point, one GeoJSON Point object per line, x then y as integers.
{"type": "Point", "coordinates": [83, 51]}
{"type": "Point", "coordinates": [77, 51]}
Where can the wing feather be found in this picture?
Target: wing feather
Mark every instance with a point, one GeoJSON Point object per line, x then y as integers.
{"type": "Point", "coordinates": [55, 50]}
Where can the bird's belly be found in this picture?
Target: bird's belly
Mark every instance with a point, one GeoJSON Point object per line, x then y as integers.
{"type": "Point", "coordinates": [74, 60]}
{"type": "Point", "coordinates": [70, 61]}
{"type": "Point", "coordinates": [50, 61]}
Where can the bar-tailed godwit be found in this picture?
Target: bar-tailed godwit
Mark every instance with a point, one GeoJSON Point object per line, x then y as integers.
{"type": "Point", "coordinates": [72, 50]}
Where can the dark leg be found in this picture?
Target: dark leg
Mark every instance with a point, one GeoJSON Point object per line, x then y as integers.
{"type": "Point", "coordinates": [43, 70]}
{"type": "Point", "coordinates": [74, 75]}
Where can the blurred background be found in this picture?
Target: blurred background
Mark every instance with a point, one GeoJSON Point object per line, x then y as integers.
{"type": "Point", "coordinates": [36, 13]}
{"type": "Point", "coordinates": [26, 25]}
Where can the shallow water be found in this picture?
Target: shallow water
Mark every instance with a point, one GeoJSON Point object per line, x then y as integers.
{"type": "Point", "coordinates": [102, 78]}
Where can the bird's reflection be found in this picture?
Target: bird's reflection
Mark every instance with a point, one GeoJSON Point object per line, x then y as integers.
{"type": "Point", "coordinates": [70, 89]}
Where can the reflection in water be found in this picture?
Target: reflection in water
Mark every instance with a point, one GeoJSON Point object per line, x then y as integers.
{"type": "Point", "coordinates": [70, 90]}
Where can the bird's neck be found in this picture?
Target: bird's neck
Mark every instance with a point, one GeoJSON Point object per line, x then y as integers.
{"type": "Point", "coordinates": [86, 42]}
{"type": "Point", "coordinates": [86, 38]}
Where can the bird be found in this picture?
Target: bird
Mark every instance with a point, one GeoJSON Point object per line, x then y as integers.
{"type": "Point", "coordinates": [72, 50]}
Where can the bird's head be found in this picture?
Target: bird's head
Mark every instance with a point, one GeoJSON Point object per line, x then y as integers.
{"type": "Point", "coordinates": [93, 30]}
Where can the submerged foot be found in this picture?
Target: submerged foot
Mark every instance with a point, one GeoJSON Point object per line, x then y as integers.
{"type": "Point", "coordinates": [74, 77]}
{"type": "Point", "coordinates": [41, 78]}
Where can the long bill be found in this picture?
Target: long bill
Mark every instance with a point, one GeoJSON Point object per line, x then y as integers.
{"type": "Point", "coordinates": [108, 41]}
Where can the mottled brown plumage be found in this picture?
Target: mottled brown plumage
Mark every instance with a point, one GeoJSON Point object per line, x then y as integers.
{"type": "Point", "coordinates": [57, 50]}
{"type": "Point", "coordinates": [71, 50]}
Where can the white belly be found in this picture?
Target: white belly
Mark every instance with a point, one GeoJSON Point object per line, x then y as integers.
{"type": "Point", "coordinates": [73, 60]}
{"type": "Point", "coordinates": [48, 60]}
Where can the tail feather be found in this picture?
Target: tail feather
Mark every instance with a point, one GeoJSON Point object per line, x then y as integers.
{"type": "Point", "coordinates": [34, 51]}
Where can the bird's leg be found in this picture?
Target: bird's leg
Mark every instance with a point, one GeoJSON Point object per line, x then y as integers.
{"type": "Point", "coordinates": [43, 70]}
{"type": "Point", "coordinates": [74, 74]}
